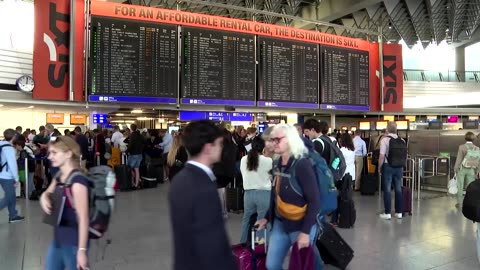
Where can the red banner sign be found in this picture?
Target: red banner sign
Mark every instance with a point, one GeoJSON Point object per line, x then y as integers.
{"type": "Point", "coordinates": [150, 14]}
{"type": "Point", "coordinates": [393, 78]}
{"type": "Point", "coordinates": [51, 50]}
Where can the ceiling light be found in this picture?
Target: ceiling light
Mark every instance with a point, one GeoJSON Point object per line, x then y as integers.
{"type": "Point", "coordinates": [1, 105]}
{"type": "Point", "coordinates": [143, 118]}
{"type": "Point", "coordinates": [30, 107]}
{"type": "Point", "coordinates": [161, 120]}
{"type": "Point", "coordinates": [137, 111]}
{"type": "Point", "coordinates": [119, 114]}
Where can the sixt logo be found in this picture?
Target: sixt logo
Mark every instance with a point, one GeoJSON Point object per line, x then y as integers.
{"type": "Point", "coordinates": [390, 78]}
{"type": "Point", "coordinates": [56, 76]}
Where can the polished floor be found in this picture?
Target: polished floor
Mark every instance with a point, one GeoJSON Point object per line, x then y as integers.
{"type": "Point", "coordinates": [435, 237]}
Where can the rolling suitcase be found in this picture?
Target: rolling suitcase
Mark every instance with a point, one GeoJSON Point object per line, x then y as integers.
{"type": "Point", "coordinates": [333, 249]}
{"type": "Point", "coordinates": [406, 201]}
{"type": "Point", "coordinates": [234, 196]}
{"type": "Point", "coordinates": [251, 256]}
{"type": "Point", "coordinates": [124, 175]}
{"type": "Point", "coordinates": [347, 214]}
{"type": "Point", "coordinates": [368, 184]}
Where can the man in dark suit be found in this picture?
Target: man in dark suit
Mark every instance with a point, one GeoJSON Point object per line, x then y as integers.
{"type": "Point", "coordinates": [199, 235]}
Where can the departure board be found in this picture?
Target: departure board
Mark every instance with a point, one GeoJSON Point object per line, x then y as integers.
{"type": "Point", "coordinates": [345, 79]}
{"type": "Point", "coordinates": [133, 61]}
{"type": "Point", "coordinates": [288, 73]}
{"type": "Point", "coordinates": [218, 67]}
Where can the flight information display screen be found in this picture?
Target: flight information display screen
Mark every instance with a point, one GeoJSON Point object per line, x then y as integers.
{"type": "Point", "coordinates": [345, 79]}
{"type": "Point", "coordinates": [289, 73]}
{"type": "Point", "coordinates": [133, 61]}
{"type": "Point", "coordinates": [218, 67]}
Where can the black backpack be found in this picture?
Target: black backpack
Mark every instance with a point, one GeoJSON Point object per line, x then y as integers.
{"type": "Point", "coordinates": [3, 163]}
{"type": "Point", "coordinates": [471, 202]}
{"type": "Point", "coordinates": [397, 152]}
{"type": "Point", "coordinates": [336, 162]}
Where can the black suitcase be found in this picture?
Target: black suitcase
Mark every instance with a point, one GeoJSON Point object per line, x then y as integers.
{"type": "Point", "coordinates": [369, 184]}
{"type": "Point", "coordinates": [124, 177]}
{"type": "Point", "coordinates": [234, 196]}
{"type": "Point", "coordinates": [406, 201]}
{"type": "Point", "coordinates": [347, 214]}
{"type": "Point", "coordinates": [333, 249]}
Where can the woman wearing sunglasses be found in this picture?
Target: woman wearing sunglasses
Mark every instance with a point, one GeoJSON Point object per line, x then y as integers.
{"type": "Point", "coordinates": [68, 249]}
{"type": "Point", "coordinates": [292, 212]}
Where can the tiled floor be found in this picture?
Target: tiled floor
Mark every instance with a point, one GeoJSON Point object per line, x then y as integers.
{"type": "Point", "coordinates": [435, 237]}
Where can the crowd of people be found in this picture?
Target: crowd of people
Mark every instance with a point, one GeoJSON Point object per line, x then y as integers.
{"type": "Point", "coordinates": [200, 161]}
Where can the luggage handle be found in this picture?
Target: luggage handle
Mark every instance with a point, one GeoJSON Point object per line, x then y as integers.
{"type": "Point", "coordinates": [255, 229]}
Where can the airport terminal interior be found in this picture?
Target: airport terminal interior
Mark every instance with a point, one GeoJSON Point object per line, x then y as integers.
{"type": "Point", "coordinates": [98, 67]}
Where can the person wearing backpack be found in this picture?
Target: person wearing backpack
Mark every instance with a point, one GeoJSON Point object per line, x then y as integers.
{"type": "Point", "coordinates": [328, 149]}
{"type": "Point", "coordinates": [466, 165]}
{"type": "Point", "coordinates": [69, 247]}
{"type": "Point", "coordinates": [294, 199]}
{"type": "Point", "coordinates": [9, 178]}
{"type": "Point", "coordinates": [393, 156]}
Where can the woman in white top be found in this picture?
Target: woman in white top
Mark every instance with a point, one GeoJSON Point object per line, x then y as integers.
{"type": "Point", "coordinates": [256, 170]}
{"type": "Point", "coordinates": [348, 151]}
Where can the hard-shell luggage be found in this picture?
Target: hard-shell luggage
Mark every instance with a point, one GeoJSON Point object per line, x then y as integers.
{"type": "Point", "coordinates": [234, 196]}
{"type": "Point", "coordinates": [124, 177]}
{"type": "Point", "coordinates": [369, 184]}
{"type": "Point", "coordinates": [406, 200]}
{"type": "Point", "coordinates": [251, 256]}
{"type": "Point", "coordinates": [371, 168]}
{"type": "Point", "coordinates": [347, 214]}
{"type": "Point", "coordinates": [333, 249]}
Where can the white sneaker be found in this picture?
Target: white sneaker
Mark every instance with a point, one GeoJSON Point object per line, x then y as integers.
{"type": "Point", "coordinates": [386, 216]}
{"type": "Point", "coordinates": [399, 216]}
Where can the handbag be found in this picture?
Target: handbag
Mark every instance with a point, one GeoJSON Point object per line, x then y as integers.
{"type": "Point", "coordinates": [452, 186]}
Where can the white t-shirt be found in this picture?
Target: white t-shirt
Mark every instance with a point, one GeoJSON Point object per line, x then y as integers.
{"type": "Point", "coordinates": [117, 138]}
{"type": "Point", "coordinates": [349, 156]}
{"type": "Point", "coordinates": [259, 179]}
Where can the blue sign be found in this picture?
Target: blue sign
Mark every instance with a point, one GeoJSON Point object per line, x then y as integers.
{"type": "Point", "coordinates": [277, 104]}
{"type": "Point", "coordinates": [194, 101]}
{"type": "Point", "coordinates": [345, 107]}
{"type": "Point", "coordinates": [110, 99]}
{"type": "Point", "coordinates": [99, 118]}
{"type": "Point", "coordinates": [215, 116]}
{"type": "Point", "coordinates": [261, 127]}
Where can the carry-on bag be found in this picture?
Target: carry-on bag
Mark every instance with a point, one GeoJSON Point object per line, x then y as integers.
{"type": "Point", "coordinates": [369, 184]}
{"type": "Point", "coordinates": [251, 256]}
{"type": "Point", "coordinates": [333, 249]}
{"type": "Point", "coordinates": [234, 196]}
{"type": "Point", "coordinates": [406, 200]}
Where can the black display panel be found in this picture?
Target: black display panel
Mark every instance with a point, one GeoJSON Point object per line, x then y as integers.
{"type": "Point", "coordinates": [133, 61]}
{"type": "Point", "coordinates": [288, 73]}
{"type": "Point", "coordinates": [218, 67]}
{"type": "Point", "coordinates": [345, 78]}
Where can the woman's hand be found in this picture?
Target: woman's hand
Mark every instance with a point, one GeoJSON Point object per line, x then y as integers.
{"type": "Point", "coordinates": [82, 260]}
{"type": "Point", "coordinates": [46, 203]}
{"type": "Point", "coordinates": [261, 224]}
{"type": "Point", "coordinates": [303, 240]}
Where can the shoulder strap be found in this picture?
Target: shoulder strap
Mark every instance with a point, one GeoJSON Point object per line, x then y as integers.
{"type": "Point", "coordinates": [68, 184]}
{"type": "Point", "coordinates": [319, 139]}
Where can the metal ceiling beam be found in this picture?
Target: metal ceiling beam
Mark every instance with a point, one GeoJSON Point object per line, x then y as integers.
{"type": "Point", "coordinates": [279, 15]}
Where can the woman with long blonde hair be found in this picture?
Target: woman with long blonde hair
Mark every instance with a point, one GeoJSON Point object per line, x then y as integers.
{"type": "Point", "coordinates": [68, 249]}
{"type": "Point", "coordinates": [177, 157]}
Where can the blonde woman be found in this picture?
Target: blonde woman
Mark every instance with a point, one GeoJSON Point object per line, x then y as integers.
{"type": "Point", "coordinates": [177, 157]}
{"type": "Point", "coordinates": [68, 250]}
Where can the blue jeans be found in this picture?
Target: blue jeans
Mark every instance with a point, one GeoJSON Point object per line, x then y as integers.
{"type": "Point", "coordinates": [61, 257]}
{"type": "Point", "coordinates": [134, 161]}
{"type": "Point", "coordinates": [390, 174]}
{"type": "Point", "coordinates": [10, 198]}
{"type": "Point", "coordinates": [254, 201]}
{"type": "Point", "coordinates": [280, 243]}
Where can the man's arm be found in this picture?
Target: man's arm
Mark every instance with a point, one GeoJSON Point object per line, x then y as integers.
{"type": "Point", "coordinates": [11, 161]}
{"type": "Point", "coordinates": [364, 148]}
{"type": "Point", "coordinates": [383, 151]}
